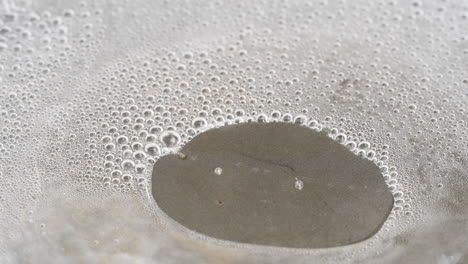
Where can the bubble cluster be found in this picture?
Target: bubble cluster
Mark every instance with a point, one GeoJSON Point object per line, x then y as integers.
{"type": "Point", "coordinates": [93, 94]}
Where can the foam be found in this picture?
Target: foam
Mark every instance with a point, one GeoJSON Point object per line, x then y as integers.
{"type": "Point", "coordinates": [87, 87]}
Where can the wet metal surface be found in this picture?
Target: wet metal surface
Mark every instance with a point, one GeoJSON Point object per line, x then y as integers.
{"type": "Point", "coordinates": [273, 184]}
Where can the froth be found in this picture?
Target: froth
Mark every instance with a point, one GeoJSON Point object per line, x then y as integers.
{"type": "Point", "coordinates": [93, 94]}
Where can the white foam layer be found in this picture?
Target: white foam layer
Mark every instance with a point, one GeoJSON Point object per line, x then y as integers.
{"type": "Point", "coordinates": [92, 93]}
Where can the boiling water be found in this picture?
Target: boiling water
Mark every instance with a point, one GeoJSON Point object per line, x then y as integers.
{"type": "Point", "coordinates": [93, 93]}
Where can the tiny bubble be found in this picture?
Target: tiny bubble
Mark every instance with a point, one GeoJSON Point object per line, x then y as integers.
{"type": "Point", "coordinates": [218, 171]}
